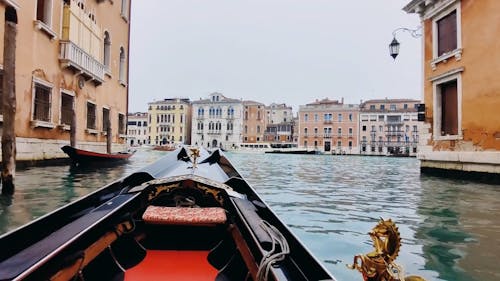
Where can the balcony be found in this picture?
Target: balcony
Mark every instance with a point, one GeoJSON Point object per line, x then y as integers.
{"type": "Point", "coordinates": [394, 133]}
{"type": "Point", "coordinates": [74, 57]}
{"type": "Point", "coordinates": [327, 136]}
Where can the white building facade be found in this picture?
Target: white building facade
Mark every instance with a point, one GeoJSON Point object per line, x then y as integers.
{"type": "Point", "coordinates": [389, 127]}
{"type": "Point", "coordinates": [217, 122]}
{"type": "Point", "coordinates": [137, 129]}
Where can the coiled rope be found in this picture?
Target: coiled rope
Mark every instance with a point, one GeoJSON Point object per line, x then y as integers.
{"type": "Point", "coordinates": [277, 253]}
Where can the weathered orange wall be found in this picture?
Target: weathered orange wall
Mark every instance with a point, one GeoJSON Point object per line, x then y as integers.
{"type": "Point", "coordinates": [37, 55]}
{"type": "Point", "coordinates": [480, 79]}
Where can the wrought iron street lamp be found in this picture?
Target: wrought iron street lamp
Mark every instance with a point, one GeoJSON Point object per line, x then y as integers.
{"type": "Point", "coordinates": [394, 46]}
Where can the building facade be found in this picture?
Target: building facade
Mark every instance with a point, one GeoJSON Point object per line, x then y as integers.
{"type": "Point", "coordinates": [137, 129]}
{"type": "Point", "coordinates": [71, 56]}
{"type": "Point", "coordinates": [389, 127]}
{"type": "Point", "coordinates": [169, 121]}
{"type": "Point", "coordinates": [461, 66]}
{"type": "Point", "coordinates": [329, 126]}
{"type": "Point", "coordinates": [254, 124]}
{"type": "Point", "coordinates": [280, 123]}
{"type": "Point", "coordinates": [217, 122]}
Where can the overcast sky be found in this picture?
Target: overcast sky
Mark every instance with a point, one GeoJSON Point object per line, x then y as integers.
{"type": "Point", "coordinates": [283, 51]}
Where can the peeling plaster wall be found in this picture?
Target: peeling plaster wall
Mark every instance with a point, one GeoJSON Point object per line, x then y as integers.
{"type": "Point", "coordinates": [480, 107]}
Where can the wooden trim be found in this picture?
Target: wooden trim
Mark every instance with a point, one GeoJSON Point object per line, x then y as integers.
{"type": "Point", "coordinates": [90, 253]}
{"type": "Point", "coordinates": [244, 250]}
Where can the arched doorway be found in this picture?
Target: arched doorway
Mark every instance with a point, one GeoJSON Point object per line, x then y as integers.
{"type": "Point", "coordinates": [214, 143]}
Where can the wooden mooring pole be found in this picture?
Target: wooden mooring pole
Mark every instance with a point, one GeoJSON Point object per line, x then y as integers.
{"type": "Point", "coordinates": [72, 130]}
{"type": "Point", "coordinates": [9, 102]}
{"type": "Point", "coordinates": [109, 137]}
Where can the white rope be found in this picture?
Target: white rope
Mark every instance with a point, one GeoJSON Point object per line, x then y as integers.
{"type": "Point", "coordinates": [276, 254]}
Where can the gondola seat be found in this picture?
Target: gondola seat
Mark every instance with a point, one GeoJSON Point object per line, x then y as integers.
{"type": "Point", "coordinates": [184, 216]}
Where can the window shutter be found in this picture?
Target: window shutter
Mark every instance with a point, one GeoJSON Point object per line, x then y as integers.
{"type": "Point", "coordinates": [447, 33]}
{"type": "Point", "coordinates": [449, 106]}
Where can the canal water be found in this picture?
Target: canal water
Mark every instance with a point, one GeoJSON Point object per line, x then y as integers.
{"type": "Point", "coordinates": [450, 228]}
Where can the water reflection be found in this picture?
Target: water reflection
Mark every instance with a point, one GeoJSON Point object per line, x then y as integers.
{"type": "Point", "coordinates": [40, 190]}
{"type": "Point", "coordinates": [450, 228]}
{"type": "Point", "coordinates": [332, 202]}
{"type": "Point", "coordinates": [460, 229]}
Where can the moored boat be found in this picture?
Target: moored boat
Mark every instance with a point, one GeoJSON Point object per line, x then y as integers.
{"type": "Point", "coordinates": [189, 216]}
{"type": "Point", "coordinates": [80, 156]}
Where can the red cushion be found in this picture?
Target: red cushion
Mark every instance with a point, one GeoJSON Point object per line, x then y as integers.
{"type": "Point", "coordinates": [183, 215]}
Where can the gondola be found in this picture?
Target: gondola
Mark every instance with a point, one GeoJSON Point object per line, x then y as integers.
{"type": "Point", "coordinates": [80, 156]}
{"type": "Point", "coordinates": [188, 216]}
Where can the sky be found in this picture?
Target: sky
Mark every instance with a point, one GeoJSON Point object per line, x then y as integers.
{"type": "Point", "coordinates": [272, 51]}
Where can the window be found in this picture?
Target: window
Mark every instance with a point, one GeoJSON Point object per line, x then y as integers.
{"type": "Point", "coordinates": [122, 66]}
{"type": "Point", "coordinates": [393, 107]}
{"type": "Point", "coordinates": [364, 128]}
{"type": "Point", "coordinates": [405, 106]}
{"type": "Point", "coordinates": [350, 117]}
{"type": "Point", "coordinates": [107, 50]}
{"type": "Point", "coordinates": [306, 117]}
{"type": "Point", "coordinates": [339, 131]}
{"type": "Point", "coordinates": [42, 103]}
{"type": "Point", "coordinates": [315, 117]}
{"type": "Point", "coordinates": [446, 33]}
{"type": "Point", "coordinates": [340, 117]}
{"type": "Point", "coordinates": [258, 129]}
{"type": "Point", "coordinates": [105, 119]}
{"type": "Point", "coordinates": [382, 107]}
{"type": "Point", "coordinates": [44, 11]}
{"type": "Point", "coordinates": [66, 109]}
{"type": "Point", "coordinates": [449, 108]}
{"type": "Point", "coordinates": [91, 116]}
{"type": "Point", "coordinates": [372, 107]}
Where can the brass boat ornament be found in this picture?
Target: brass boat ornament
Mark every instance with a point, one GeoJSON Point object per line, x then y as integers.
{"type": "Point", "coordinates": [380, 265]}
{"type": "Point", "coordinates": [195, 154]}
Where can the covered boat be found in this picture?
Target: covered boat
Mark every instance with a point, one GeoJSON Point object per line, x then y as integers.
{"type": "Point", "coordinates": [80, 156]}
{"type": "Point", "coordinates": [189, 216]}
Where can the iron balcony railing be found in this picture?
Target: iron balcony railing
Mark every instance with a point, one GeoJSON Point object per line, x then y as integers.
{"type": "Point", "coordinates": [73, 56]}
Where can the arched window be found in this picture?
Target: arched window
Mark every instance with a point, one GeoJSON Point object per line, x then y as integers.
{"type": "Point", "coordinates": [122, 65]}
{"type": "Point", "coordinates": [107, 50]}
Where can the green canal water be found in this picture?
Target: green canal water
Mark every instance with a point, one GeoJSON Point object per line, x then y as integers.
{"type": "Point", "coordinates": [450, 228]}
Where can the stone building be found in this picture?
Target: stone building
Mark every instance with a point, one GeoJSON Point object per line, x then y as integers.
{"type": "Point", "coordinates": [137, 129]}
{"type": "Point", "coordinates": [280, 124]}
{"type": "Point", "coordinates": [254, 121]}
{"type": "Point", "coordinates": [71, 56]}
{"type": "Point", "coordinates": [169, 121]}
{"type": "Point", "coordinates": [461, 86]}
{"type": "Point", "coordinates": [389, 127]}
{"type": "Point", "coordinates": [329, 126]}
{"type": "Point", "coordinates": [217, 121]}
